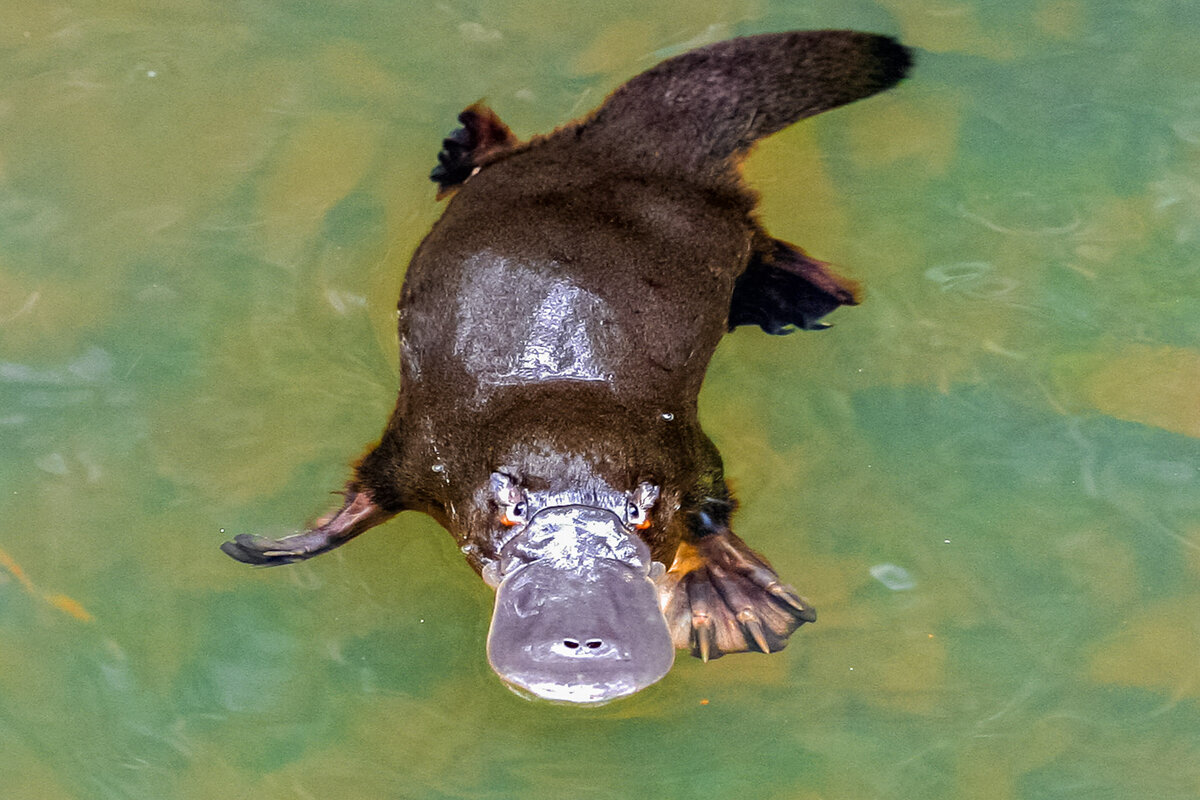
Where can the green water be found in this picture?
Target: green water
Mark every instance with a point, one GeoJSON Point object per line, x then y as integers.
{"type": "Point", "coordinates": [205, 210]}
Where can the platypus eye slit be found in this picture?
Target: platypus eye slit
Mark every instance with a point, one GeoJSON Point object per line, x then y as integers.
{"type": "Point", "coordinates": [514, 514]}
{"type": "Point", "coordinates": [636, 516]}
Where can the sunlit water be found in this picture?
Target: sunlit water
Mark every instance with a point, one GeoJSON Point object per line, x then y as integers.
{"type": "Point", "coordinates": [986, 478]}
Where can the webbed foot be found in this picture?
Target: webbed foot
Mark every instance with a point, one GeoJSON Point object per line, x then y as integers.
{"type": "Point", "coordinates": [720, 597]}
{"type": "Point", "coordinates": [464, 151]}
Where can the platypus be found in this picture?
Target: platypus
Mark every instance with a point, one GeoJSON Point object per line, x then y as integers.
{"type": "Point", "coordinates": [555, 326]}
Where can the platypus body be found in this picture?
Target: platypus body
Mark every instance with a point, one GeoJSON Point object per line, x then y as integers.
{"type": "Point", "coordinates": [555, 326]}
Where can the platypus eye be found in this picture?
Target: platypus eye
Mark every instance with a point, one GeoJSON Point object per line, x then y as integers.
{"type": "Point", "coordinates": [637, 508]}
{"type": "Point", "coordinates": [511, 498]}
{"type": "Point", "coordinates": [515, 514]}
{"type": "Point", "coordinates": [636, 516]}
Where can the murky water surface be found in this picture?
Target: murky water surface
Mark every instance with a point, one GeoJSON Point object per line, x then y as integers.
{"type": "Point", "coordinates": [986, 478]}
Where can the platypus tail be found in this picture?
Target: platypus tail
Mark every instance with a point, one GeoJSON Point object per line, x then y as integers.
{"type": "Point", "coordinates": [702, 108]}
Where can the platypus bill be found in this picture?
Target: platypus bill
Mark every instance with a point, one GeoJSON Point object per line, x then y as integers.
{"type": "Point", "coordinates": [555, 326]}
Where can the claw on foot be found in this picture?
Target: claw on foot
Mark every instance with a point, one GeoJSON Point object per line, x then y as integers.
{"type": "Point", "coordinates": [720, 597]}
{"type": "Point", "coordinates": [704, 639]}
{"type": "Point", "coordinates": [752, 625]}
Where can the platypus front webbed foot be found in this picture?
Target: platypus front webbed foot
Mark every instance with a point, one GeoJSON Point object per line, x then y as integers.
{"type": "Point", "coordinates": [719, 596]}
{"type": "Point", "coordinates": [465, 150]}
{"type": "Point", "coordinates": [356, 515]}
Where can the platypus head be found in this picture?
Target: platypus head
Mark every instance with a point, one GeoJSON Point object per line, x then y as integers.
{"type": "Point", "coordinates": [577, 618]}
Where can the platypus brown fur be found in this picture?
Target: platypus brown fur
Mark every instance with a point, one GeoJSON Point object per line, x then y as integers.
{"type": "Point", "coordinates": [555, 326]}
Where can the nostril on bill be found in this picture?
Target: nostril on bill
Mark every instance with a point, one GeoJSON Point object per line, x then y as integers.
{"type": "Point", "coordinates": [580, 647]}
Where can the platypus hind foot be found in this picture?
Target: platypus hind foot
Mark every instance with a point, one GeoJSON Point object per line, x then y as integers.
{"type": "Point", "coordinates": [719, 596]}
{"type": "Point", "coordinates": [784, 289]}
{"type": "Point", "coordinates": [465, 150]}
{"type": "Point", "coordinates": [356, 515]}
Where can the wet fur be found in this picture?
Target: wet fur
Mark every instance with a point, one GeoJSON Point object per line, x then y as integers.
{"type": "Point", "coordinates": [640, 204]}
